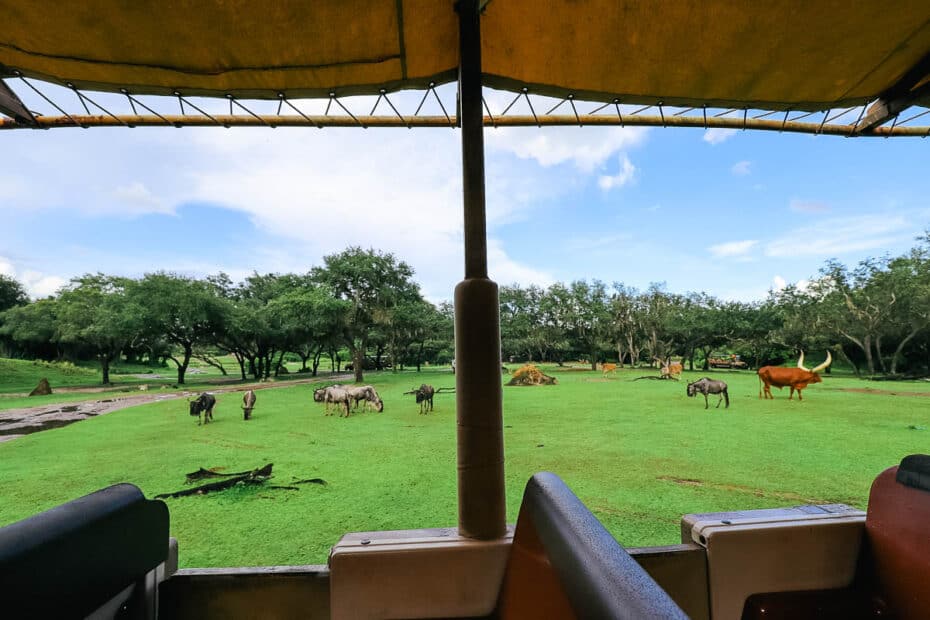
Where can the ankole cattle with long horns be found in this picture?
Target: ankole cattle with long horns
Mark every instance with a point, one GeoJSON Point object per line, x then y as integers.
{"type": "Point", "coordinates": [795, 378]}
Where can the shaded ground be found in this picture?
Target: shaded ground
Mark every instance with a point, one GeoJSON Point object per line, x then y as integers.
{"type": "Point", "coordinates": [16, 423]}
{"type": "Point", "coordinates": [882, 392]}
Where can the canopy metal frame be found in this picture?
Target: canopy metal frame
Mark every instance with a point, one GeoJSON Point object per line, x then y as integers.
{"type": "Point", "coordinates": [891, 115]}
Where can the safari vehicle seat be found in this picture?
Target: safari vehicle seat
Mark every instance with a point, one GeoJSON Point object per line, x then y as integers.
{"type": "Point", "coordinates": [98, 555]}
{"type": "Point", "coordinates": [893, 570]}
{"type": "Point", "coordinates": [564, 564]}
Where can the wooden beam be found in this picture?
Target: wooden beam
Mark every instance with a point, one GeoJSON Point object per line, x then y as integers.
{"type": "Point", "coordinates": [897, 98]}
{"type": "Point", "coordinates": [11, 105]}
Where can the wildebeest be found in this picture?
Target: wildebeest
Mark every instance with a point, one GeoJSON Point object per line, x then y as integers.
{"type": "Point", "coordinates": [709, 386]}
{"type": "Point", "coordinates": [795, 378]}
{"type": "Point", "coordinates": [319, 394]}
{"type": "Point", "coordinates": [248, 403]}
{"type": "Point", "coordinates": [368, 394]}
{"type": "Point", "coordinates": [424, 395]}
{"type": "Point", "coordinates": [203, 404]}
{"type": "Point", "coordinates": [334, 395]}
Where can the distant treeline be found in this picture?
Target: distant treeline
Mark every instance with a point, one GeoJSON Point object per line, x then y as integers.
{"type": "Point", "coordinates": [364, 305]}
{"type": "Point", "coordinates": [874, 317]}
{"type": "Point", "coordinates": [361, 301]}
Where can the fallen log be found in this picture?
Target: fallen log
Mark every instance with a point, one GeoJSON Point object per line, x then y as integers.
{"type": "Point", "coordinates": [312, 481]}
{"type": "Point", "coordinates": [654, 378]}
{"type": "Point", "coordinates": [202, 474]}
{"type": "Point", "coordinates": [256, 476]}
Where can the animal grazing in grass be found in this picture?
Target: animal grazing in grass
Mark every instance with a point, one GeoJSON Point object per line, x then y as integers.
{"type": "Point", "coordinates": [368, 394]}
{"type": "Point", "coordinates": [248, 404]}
{"type": "Point", "coordinates": [795, 378]}
{"type": "Point", "coordinates": [608, 368]}
{"type": "Point", "coordinates": [337, 396]}
{"type": "Point", "coordinates": [709, 386]}
{"type": "Point", "coordinates": [202, 407]}
{"type": "Point", "coordinates": [669, 369]}
{"type": "Point", "coordinates": [424, 395]}
{"type": "Point", "coordinates": [319, 394]}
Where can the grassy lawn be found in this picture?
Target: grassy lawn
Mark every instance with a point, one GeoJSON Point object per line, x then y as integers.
{"type": "Point", "coordinates": [639, 454]}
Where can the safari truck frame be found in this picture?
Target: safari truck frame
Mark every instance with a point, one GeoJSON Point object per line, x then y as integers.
{"type": "Point", "coordinates": [854, 71]}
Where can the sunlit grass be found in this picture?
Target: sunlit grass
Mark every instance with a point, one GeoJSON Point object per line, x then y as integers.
{"type": "Point", "coordinates": [639, 454]}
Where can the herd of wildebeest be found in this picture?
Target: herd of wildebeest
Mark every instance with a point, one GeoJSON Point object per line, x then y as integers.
{"type": "Point", "coordinates": [343, 398]}
{"type": "Point", "coordinates": [346, 398]}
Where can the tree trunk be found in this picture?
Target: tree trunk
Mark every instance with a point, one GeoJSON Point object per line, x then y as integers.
{"type": "Point", "coordinates": [182, 368]}
{"type": "Point", "coordinates": [303, 360]}
{"type": "Point", "coordinates": [316, 360]}
{"type": "Point", "coordinates": [878, 354]}
{"type": "Point", "coordinates": [419, 356]}
{"type": "Point", "coordinates": [105, 368]}
{"type": "Point", "coordinates": [358, 359]}
{"type": "Point", "coordinates": [241, 361]}
{"type": "Point", "coordinates": [277, 367]}
{"type": "Point", "coordinates": [842, 351]}
{"type": "Point", "coordinates": [897, 351]}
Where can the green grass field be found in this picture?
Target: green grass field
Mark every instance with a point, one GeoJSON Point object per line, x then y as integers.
{"type": "Point", "coordinates": [639, 454]}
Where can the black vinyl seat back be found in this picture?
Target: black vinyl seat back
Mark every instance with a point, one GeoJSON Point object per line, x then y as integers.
{"type": "Point", "coordinates": [68, 561]}
{"type": "Point", "coordinates": [565, 564]}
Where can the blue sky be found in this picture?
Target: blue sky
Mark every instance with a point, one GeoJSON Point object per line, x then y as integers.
{"type": "Point", "coordinates": [730, 213]}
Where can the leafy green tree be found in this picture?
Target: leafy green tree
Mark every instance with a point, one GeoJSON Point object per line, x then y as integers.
{"type": "Point", "coordinates": [12, 293]}
{"type": "Point", "coordinates": [34, 328]}
{"type": "Point", "coordinates": [625, 322]}
{"type": "Point", "coordinates": [93, 313]}
{"type": "Point", "coordinates": [372, 283]}
{"type": "Point", "coordinates": [311, 320]}
{"type": "Point", "coordinates": [182, 311]}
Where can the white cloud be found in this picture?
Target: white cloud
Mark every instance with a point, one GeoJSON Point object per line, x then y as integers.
{"type": "Point", "coordinates": [136, 199]}
{"type": "Point", "coordinates": [625, 175]}
{"type": "Point", "coordinates": [808, 206]}
{"type": "Point", "coordinates": [586, 148]}
{"type": "Point", "coordinates": [838, 236]}
{"type": "Point", "coordinates": [716, 135]}
{"type": "Point", "coordinates": [37, 284]}
{"type": "Point", "coordinates": [779, 283]}
{"type": "Point", "coordinates": [741, 168]}
{"type": "Point", "coordinates": [732, 248]}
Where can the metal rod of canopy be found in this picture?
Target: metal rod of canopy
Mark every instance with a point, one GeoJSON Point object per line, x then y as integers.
{"type": "Point", "coordinates": [300, 119]}
{"type": "Point", "coordinates": [482, 508]}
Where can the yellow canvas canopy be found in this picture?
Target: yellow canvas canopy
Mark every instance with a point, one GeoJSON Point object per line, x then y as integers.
{"type": "Point", "coordinates": [784, 54]}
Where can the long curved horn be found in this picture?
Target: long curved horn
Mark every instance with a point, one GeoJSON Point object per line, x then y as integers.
{"type": "Point", "coordinates": [825, 364]}
{"type": "Point", "coordinates": [801, 362]}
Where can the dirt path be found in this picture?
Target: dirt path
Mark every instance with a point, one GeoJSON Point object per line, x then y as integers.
{"type": "Point", "coordinates": [16, 423]}
{"type": "Point", "coordinates": [882, 392]}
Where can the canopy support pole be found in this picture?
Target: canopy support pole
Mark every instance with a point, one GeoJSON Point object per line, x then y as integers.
{"type": "Point", "coordinates": [12, 106]}
{"type": "Point", "coordinates": [482, 506]}
{"type": "Point", "coordinates": [897, 98]}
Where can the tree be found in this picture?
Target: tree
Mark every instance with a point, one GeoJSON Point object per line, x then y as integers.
{"type": "Point", "coordinates": [311, 320]}
{"type": "Point", "coordinates": [372, 283]}
{"type": "Point", "coordinates": [12, 293]}
{"type": "Point", "coordinates": [34, 328]}
{"type": "Point", "coordinates": [93, 314]}
{"type": "Point", "coordinates": [625, 326]}
{"type": "Point", "coordinates": [181, 311]}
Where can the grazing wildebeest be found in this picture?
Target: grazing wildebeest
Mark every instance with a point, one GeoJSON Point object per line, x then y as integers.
{"type": "Point", "coordinates": [248, 403]}
{"type": "Point", "coordinates": [336, 395]}
{"type": "Point", "coordinates": [203, 404]}
{"type": "Point", "coordinates": [368, 394]}
{"type": "Point", "coordinates": [709, 386]}
{"type": "Point", "coordinates": [795, 378]}
{"type": "Point", "coordinates": [424, 395]}
{"type": "Point", "coordinates": [319, 394]}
